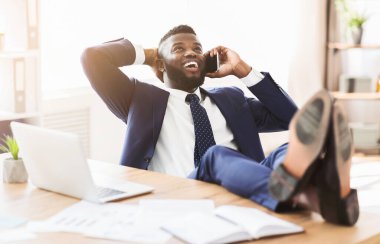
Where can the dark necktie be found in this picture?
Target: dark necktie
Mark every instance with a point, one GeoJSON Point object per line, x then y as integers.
{"type": "Point", "coordinates": [202, 128]}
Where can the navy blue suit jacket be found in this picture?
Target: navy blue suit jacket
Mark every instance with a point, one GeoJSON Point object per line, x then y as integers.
{"type": "Point", "coordinates": [142, 106]}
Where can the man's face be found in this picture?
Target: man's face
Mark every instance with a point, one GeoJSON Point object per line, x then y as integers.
{"type": "Point", "coordinates": [184, 62]}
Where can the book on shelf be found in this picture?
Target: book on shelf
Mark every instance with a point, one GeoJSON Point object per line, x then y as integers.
{"type": "Point", "coordinates": [228, 224]}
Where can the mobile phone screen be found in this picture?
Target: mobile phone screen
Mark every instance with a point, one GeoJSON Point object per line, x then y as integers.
{"type": "Point", "coordinates": [211, 64]}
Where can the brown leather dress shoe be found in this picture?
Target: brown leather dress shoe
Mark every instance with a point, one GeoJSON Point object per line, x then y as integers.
{"type": "Point", "coordinates": [308, 131]}
{"type": "Point", "coordinates": [337, 201]}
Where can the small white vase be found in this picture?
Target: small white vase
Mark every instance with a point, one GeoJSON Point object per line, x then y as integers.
{"type": "Point", "coordinates": [14, 171]}
{"type": "Point", "coordinates": [357, 34]}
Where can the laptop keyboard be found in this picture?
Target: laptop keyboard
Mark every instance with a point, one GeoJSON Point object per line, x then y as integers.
{"type": "Point", "coordinates": [106, 192]}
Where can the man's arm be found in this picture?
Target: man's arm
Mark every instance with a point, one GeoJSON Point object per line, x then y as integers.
{"type": "Point", "coordinates": [274, 109]}
{"type": "Point", "coordinates": [101, 65]}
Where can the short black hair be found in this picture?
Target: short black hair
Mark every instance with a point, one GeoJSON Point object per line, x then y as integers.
{"type": "Point", "coordinates": [176, 30]}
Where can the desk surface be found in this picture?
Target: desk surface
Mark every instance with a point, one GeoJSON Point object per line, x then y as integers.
{"type": "Point", "coordinates": [27, 201]}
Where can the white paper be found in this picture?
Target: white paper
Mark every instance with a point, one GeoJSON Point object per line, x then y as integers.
{"type": "Point", "coordinates": [10, 221]}
{"type": "Point", "coordinates": [16, 235]}
{"type": "Point", "coordinates": [256, 222]}
{"type": "Point", "coordinates": [153, 212]}
{"type": "Point", "coordinates": [107, 221]}
{"type": "Point", "coordinates": [199, 227]}
{"type": "Point", "coordinates": [84, 217]}
{"type": "Point", "coordinates": [131, 233]}
{"type": "Point", "coordinates": [191, 220]}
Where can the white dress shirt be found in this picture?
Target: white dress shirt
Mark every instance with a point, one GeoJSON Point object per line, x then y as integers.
{"type": "Point", "coordinates": [174, 152]}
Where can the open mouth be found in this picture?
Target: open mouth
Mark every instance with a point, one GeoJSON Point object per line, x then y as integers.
{"type": "Point", "coordinates": [191, 66]}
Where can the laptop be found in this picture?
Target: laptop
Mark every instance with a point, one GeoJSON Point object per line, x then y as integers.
{"type": "Point", "coordinates": [55, 161]}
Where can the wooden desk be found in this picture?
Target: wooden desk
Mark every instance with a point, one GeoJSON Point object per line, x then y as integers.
{"type": "Point", "coordinates": [27, 201]}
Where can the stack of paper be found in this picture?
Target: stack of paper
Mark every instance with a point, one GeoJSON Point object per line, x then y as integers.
{"type": "Point", "coordinates": [155, 221]}
{"type": "Point", "coordinates": [135, 223]}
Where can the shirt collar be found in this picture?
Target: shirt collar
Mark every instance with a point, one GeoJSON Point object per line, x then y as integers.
{"type": "Point", "coordinates": [182, 94]}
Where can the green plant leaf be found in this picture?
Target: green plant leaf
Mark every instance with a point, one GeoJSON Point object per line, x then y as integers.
{"type": "Point", "coordinates": [10, 145]}
{"type": "Point", "coordinates": [353, 18]}
{"type": "Point", "coordinates": [357, 21]}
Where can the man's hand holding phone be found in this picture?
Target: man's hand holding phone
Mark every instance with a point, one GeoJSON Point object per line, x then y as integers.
{"type": "Point", "coordinates": [229, 62]}
{"type": "Point", "coordinates": [211, 63]}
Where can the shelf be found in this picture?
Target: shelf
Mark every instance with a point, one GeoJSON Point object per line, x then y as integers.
{"type": "Point", "coordinates": [356, 96]}
{"type": "Point", "coordinates": [345, 46]}
{"type": "Point", "coordinates": [19, 53]}
{"type": "Point", "coordinates": [365, 147]}
{"type": "Point", "coordinates": [5, 116]}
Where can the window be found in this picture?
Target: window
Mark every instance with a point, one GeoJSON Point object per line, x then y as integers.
{"type": "Point", "coordinates": [258, 31]}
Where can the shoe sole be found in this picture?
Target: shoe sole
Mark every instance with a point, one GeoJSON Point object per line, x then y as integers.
{"type": "Point", "coordinates": [308, 130]}
{"type": "Point", "coordinates": [342, 138]}
{"type": "Point", "coordinates": [335, 208]}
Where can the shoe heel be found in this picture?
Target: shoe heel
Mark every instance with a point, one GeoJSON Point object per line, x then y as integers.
{"type": "Point", "coordinates": [346, 210]}
{"type": "Point", "coordinates": [283, 186]}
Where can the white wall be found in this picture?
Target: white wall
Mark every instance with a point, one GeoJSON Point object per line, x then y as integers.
{"type": "Point", "coordinates": [261, 31]}
{"type": "Point", "coordinates": [107, 133]}
{"type": "Point", "coordinates": [306, 69]}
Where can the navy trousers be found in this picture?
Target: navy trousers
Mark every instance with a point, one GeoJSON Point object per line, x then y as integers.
{"type": "Point", "coordinates": [240, 174]}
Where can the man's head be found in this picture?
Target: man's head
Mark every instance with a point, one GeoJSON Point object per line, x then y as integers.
{"type": "Point", "coordinates": [181, 59]}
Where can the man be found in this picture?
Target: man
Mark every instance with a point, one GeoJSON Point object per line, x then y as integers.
{"type": "Point", "coordinates": [212, 135]}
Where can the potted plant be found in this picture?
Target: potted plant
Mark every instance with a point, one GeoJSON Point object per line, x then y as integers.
{"type": "Point", "coordinates": [13, 168]}
{"type": "Point", "coordinates": [355, 24]}
{"type": "Point", "coordinates": [353, 19]}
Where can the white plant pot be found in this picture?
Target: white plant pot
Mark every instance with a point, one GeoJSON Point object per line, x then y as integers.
{"type": "Point", "coordinates": [14, 171]}
{"type": "Point", "coordinates": [357, 34]}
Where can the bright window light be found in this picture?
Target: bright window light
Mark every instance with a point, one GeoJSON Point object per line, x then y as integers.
{"type": "Point", "coordinates": [258, 31]}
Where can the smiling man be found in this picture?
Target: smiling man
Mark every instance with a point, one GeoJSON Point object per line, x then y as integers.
{"type": "Point", "coordinates": [185, 71]}
{"type": "Point", "coordinates": [212, 134]}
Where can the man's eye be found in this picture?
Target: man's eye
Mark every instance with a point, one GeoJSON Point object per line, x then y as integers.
{"type": "Point", "coordinates": [177, 49]}
{"type": "Point", "coordinates": [198, 50]}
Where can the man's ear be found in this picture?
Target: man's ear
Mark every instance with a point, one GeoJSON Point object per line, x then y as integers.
{"type": "Point", "coordinates": [160, 65]}
{"type": "Point", "coordinates": [160, 68]}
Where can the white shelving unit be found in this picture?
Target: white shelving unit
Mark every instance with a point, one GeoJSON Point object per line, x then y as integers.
{"type": "Point", "coordinates": [363, 108]}
{"type": "Point", "coordinates": [20, 87]}
{"type": "Point", "coordinates": [19, 81]}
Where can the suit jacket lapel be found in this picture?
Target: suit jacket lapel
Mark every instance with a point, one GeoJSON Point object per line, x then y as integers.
{"type": "Point", "coordinates": [235, 110]}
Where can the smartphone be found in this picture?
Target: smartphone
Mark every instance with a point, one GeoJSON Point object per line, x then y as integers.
{"type": "Point", "coordinates": [212, 63]}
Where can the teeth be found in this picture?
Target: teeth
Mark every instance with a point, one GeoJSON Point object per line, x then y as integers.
{"type": "Point", "coordinates": [195, 64]}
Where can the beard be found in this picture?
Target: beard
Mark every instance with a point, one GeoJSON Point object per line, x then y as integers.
{"type": "Point", "coordinates": [183, 82]}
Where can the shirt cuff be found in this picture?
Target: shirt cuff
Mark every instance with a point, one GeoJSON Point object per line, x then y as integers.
{"type": "Point", "coordinates": [140, 55]}
{"type": "Point", "coordinates": [252, 78]}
